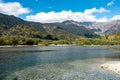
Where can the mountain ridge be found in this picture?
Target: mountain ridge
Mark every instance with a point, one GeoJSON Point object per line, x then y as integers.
{"type": "Point", "coordinates": [77, 28]}
{"type": "Point", "coordinates": [101, 28]}
{"type": "Point", "coordinates": [8, 21]}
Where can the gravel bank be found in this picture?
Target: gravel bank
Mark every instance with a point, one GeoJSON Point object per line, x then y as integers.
{"type": "Point", "coordinates": [113, 66]}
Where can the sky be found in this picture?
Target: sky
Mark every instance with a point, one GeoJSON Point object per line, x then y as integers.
{"type": "Point", "coordinates": [49, 11]}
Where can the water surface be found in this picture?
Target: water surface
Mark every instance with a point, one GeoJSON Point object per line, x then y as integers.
{"type": "Point", "coordinates": [63, 63]}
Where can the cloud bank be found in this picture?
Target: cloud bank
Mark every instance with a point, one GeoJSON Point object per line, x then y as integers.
{"type": "Point", "coordinates": [12, 8]}
{"type": "Point", "coordinates": [50, 17]}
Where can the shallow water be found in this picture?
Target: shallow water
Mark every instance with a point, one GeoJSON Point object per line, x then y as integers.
{"type": "Point", "coordinates": [62, 63]}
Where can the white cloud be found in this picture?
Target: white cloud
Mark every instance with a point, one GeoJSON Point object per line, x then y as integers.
{"type": "Point", "coordinates": [104, 19]}
{"type": "Point", "coordinates": [110, 3]}
{"type": "Point", "coordinates": [52, 16]}
{"type": "Point", "coordinates": [13, 8]}
{"type": "Point", "coordinates": [116, 17]}
{"type": "Point", "coordinates": [94, 10]}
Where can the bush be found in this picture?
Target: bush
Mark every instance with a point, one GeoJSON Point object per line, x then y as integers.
{"type": "Point", "coordinates": [14, 40]}
{"type": "Point", "coordinates": [96, 41]}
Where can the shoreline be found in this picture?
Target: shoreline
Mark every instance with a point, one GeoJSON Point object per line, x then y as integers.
{"type": "Point", "coordinates": [5, 46]}
{"type": "Point", "coordinates": [53, 45]}
{"type": "Point", "coordinates": [16, 46]}
{"type": "Point", "coordinates": [112, 66]}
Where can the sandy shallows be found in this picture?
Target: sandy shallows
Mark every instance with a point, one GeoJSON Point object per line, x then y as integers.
{"type": "Point", "coordinates": [113, 66]}
{"type": "Point", "coordinates": [75, 70]}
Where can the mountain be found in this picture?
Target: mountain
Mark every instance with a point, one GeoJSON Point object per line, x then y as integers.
{"type": "Point", "coordinates": [106, 28]}
{"type": "Point", "coordinates": [114, 27]}
{"type": "Point", "coordinates": [101, 28]}
{"type": "Point", "coordinates": [72, 28]}
{"type": "Point", "coordinates": [11, 25]}
{"type": "Point", "coordinates": [60, 33]}
{"type": "Point", "coordinates": [6, 22]}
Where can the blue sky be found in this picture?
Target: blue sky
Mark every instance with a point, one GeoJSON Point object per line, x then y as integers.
{"type": "Point", "coordinates": [60, 10]}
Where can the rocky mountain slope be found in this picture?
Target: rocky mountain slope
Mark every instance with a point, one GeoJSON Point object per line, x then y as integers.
{"type": "Point", "coordinates": [106, 28]}
{"type": "Point", "coordinates": [101, 28]}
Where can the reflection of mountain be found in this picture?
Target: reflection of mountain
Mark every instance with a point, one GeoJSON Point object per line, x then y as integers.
{"type": "Point", "coordinates": [11, 25]}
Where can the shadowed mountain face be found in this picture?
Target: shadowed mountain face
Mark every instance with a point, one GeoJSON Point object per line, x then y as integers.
{"type": "Point", "coordinates": [71, 28]}
{"type": "Point", "coordinates": [6, 22]}
{"type": "Point", "coordinates": [10, 25]}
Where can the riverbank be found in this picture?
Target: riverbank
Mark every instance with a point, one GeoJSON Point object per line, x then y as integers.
{"type": "Point", "coordinates": [59, 45]}
{"type": "Point", "coordinates": [113, 66]}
